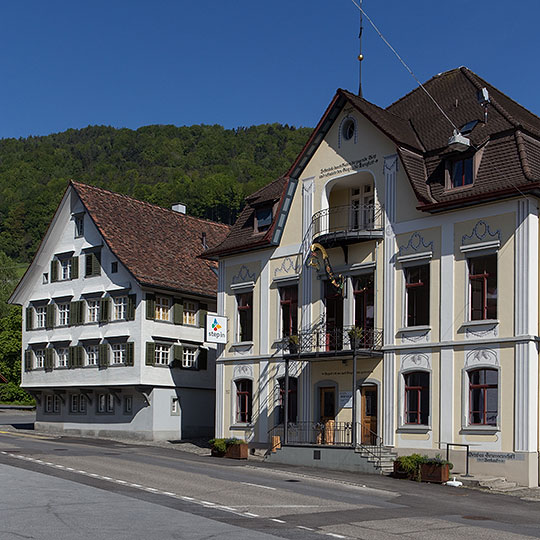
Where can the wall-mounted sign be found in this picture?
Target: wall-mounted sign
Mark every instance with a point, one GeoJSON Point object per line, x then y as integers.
{"type": "Point", "coordinates": [216, 329]}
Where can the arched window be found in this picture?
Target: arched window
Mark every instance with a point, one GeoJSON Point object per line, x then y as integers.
{"type": "Point", "coordinates": [293, 399]}
{"type": "Point", "coordinates": [244, 394]}
{"type": "Point", "coordinates": [417, 398]}
{"type": "Point", "coordinates": [483, 397]}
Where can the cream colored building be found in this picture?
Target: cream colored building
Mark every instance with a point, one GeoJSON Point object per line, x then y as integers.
{"type": "Point", "coordinates": [385, 239]}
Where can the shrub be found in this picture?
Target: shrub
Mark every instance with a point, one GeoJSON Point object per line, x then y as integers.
{"type": "Point", "coordinates": [221, 445]}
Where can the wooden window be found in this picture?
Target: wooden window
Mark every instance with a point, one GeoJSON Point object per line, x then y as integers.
{"type": "Point", "coordinates": [483, 397]}
{"type": "Point", "coordinates": [289, 310]}
{"type": "Point", "coordinates": [293, 399]}
{"type": "Point", "coordinates": [120, 308]}
{"type": "Point", "coordinates": [483, 287]}
{"type": "Point", "coordinates": [93, 310]}
{"type": "Point", "coordinates": [461, 172]}
{"type": "Point", "coordinates": [62, 357]}
{"type": "Point", "coordinates": [263, 218]}
{"type": "Point", "coordinates": [79, 225]}
{"type": "Point", "coordinates": [189, 356]}
{"type": "Point", "coordinates": [244, 401]}
{"type": "Point", "coordinates": [163, 308]}
{"type": "Point", "coordinates": [65, 269]}
{"type": "Point", "coordinates": [245, 316]}
{"type": "Point", "coordinates": [162, 355]}
{"type": "Point", "coordinates": [63, 314]}
{"type": "Point", "coordinates": [40, 359]}
{"type": "Point", "coordinates": [417, 295]}
{"type": "Point", "coordinates": [190, 312]}
{"type": "Point", "coordinates": [119, 353]}
{"type": "Point", "coordinates": [417, 398]}
{"type": "Point", "coordinates": [92, 354]}
{"type": "Point", "coordinates": [40, 316]}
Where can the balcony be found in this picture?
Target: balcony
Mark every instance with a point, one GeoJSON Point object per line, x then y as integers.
{"type": "Point", "coordinates": [348, 224]}
{"type": "Point", "coordinates": [327, 341]}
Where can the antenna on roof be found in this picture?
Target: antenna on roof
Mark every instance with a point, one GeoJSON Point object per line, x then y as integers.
{"type": "Point", "coordinates": [360, 55]}
{"type": "Point", "coordinates": [483, 99]}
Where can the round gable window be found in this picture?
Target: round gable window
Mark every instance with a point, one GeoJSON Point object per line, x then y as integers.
{"type": "Point", "coordinates": [347, 129]}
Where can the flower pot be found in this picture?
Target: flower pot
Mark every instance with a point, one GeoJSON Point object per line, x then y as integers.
{"type": "Point", "coordinates": [399, 472]}
{"type": "Point", "coordinates": [434, 472]}
{"type": "Point", "coordinates": [217, 453]}
{"type": "Point", "coordinates": [237, 451]}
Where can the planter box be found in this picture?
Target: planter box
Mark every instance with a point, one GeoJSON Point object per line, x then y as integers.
{"type": "Point", "coordinates": [237, 451]}
{"type": "Point", "coordinates": [399, 472]}
{"type": "Point", "coordinates": [434, 473]}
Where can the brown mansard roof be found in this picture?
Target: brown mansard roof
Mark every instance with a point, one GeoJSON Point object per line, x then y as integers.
{"type": "Point", "coordinates": [159, 247]}
{"type": "Point", "coordinates": [507, 147]}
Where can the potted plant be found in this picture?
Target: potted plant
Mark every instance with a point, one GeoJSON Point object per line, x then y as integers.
{"type": "Point", "coordinates": [231, 448]}
{"type": "Point", "coordinates": [408, 467]}
{"type": "Point", "coordinates": [356, 335]}
{"type": "Point", "coordinates": [293, 344]}
{"type": "Point", "coordinates": [435, 469]}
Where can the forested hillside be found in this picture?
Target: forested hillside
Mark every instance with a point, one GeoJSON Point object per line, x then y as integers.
{"type": "Point", "coordinates": [208, 168]}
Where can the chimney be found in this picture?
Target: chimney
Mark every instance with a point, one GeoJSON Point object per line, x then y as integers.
{"type": "Point", "coordinates": [179, 207]}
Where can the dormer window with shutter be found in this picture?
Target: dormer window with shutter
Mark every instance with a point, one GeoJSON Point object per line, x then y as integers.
{"type": "Point", "coordinates": [263, 218]}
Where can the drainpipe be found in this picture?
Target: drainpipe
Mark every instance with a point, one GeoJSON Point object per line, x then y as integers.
{"type": "Point", "coordinates": [354, 437]}
{"type": "Point", "coordinates": [286, 419]}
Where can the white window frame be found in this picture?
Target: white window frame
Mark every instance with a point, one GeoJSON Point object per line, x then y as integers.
{"type": "Point", "coordinates": [63, 314]}
{"type": "Point", "coordinates": [56, 404]}
{"type": "Point", "coordinates": [62, 356]}
{"type": "Point", "coordinates": [162, 354]}
{"type": "Point", "coordinates": [65, 270]}
{"type": "Point", "coordinates": [92, 306]}
{"type": "Point", "coordinates": [163, 308]}
{"type": "Point", "coordinates": [119, 354]}
{"type": "Point", "coordinates": [79, 225]}
{"type": "Point", "coordinates": [120, 307]}
{"type": "Point", "coordinates": [190, 313]}
{"type": "Point", "coordinates": [41, 316]}
{"type": "Point", "coordinates": [110, 403]}
{"type": "Point", "coordinates": [92, 355]}
{"type": "Point", "coordinates": [40, 358]}
{"type": "Point", "coordinates": [48, 405]}
{"type": "Point", "coordinates": [101, 403]}
{"type": "Point", "coordinates": [189, 357]}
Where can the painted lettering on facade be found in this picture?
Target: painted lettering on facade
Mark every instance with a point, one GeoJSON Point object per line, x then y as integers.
{"type": "Point", "coordinates": [348, 166]}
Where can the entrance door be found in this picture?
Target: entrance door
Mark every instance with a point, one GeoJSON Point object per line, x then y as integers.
{"type": "Point", "coordinates": [328, 403]}
{"type": "Point", "coordinates": [368, 415]}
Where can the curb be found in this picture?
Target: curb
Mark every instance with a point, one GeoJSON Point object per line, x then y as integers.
{"type": "Point", "coordinates": [18, 407]}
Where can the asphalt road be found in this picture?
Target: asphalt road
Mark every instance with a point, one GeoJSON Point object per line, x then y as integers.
{"type": "Point", "coordinates": [66, 487]}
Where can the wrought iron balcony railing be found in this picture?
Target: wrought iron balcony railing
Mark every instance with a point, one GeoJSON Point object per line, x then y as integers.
{"type": "Point", "coordinates": [328, 339]}
{"type": "Point", "coordinates": [350, 221]}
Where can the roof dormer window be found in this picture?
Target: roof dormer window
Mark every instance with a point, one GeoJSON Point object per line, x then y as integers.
{"type": "Point", "coordinates": [263, 218]}
{"type": "Point", "coordinates": [461, 172]}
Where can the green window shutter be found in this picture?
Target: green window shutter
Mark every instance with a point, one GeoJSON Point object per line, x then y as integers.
{"type": "Point", "coordinates": [103, 355]}
{"type": "Point", "coordinates": [29, 318]}
{"type": "Point", "coordinates": [28, 357]}
{"type": "Point", "coordinates": [50, 316]}
{"type": "Point", "coordinates": [202, 359]}
{"type": "Point", "coordinates": [130, 353]}
{"type": "Point", "coordinates": [54, 270]}
{"type": "Point", "coordinates": [81, 310]}
{"type": "Point", "coordinates": [74, 267]}
{"type": "Point", "coordinates": [73, 314]}
{"type": "Point", "coordinates": [71, 357]}
{"type": "Point", "coordinates": [96, 264]}
{"type": "Point", "coordinates": [131, 305]}
{"type": "Point", "coordinates": [203, 310]}
{"type": "Point", "coordinates": [150, 306]}
{"type": "Point", "coordinates": [49, 359]}
{"type": "Point", "coordinates": [104, 309]}
{"type": "Point", "coordinates": [88, 264]}
{"type": "Point", "coordinates": [178, 352]}
{"type": "Point", "coordinates": [150, 353]}
{"type": "Point", "coordinates": [178, 311]}
{"type": "Point", "coordinates": [79, 355]}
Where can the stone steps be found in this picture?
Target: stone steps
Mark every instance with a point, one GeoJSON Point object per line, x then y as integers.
{"type": "Point", "coordinates": [385, 465]}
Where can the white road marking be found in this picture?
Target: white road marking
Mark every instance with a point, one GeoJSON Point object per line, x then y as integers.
{"type": "Point", "coordinates": [153, 490]}
{"type": "Point", "coordinates": [333, 535]}
{"type": "Point", "coordinates": [165, 493]}
{"type": "Point", "coordinates": [82, 472]}
{"type": "Point", "coordinates": [277, 520]}
{"type": "Point", "coordinates": [259, 486]}
{"type": "Point", "coordinates": [187, 498]}
{"type": "Point", "coordinates": [208, 503]}
{"type": "Point", "coordinates": [304, 528]}
{"type": "Point", "coordinates": [135, 485]}
{"type": "Point", "coordinates": [69, 469]}
{"type": "Point", "coordinates": [120, 481]}
{"type": "Point", "coordinates": [94, 475]}
{"type": "Point", "coordinates": [250, 514]}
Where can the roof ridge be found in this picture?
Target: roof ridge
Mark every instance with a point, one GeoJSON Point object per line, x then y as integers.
{"type": "Point", "coordinates": [144, 203]}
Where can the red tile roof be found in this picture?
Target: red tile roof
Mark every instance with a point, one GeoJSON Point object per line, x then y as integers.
{"type": "Point", "coordinates": [159, 247]}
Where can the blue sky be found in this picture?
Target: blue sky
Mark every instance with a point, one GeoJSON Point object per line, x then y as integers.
{"type": "Point", "coordinates": [129, 63]}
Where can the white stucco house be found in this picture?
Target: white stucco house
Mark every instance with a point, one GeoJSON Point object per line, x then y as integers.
{"type": "Point", "coordinates": [114, 304]}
